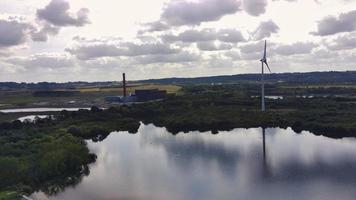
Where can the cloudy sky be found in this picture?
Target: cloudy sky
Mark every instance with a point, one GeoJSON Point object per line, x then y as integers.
{"type": "Point", "coordinates": [91, 40]}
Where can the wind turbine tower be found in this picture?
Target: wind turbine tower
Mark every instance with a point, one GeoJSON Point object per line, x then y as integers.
{"type": "Point", "coordinates": [264, 62]}
{"type": "Point", "coordinates": [124, 83]}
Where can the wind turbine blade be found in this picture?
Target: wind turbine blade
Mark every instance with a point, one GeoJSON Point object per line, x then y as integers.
{"type": "Point", "coordinates": [265, 52]}
{"type": "Point", "coordinates": [268, 67]}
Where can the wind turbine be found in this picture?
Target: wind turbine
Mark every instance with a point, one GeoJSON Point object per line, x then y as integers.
{"type": "Point", "coordinates": [264, 62]}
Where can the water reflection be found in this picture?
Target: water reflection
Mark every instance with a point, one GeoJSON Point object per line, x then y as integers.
{"type": "Point", "coordinates": [264, 163]}
{"type": "Point", "coordinates": [32, 118]}
{"type": "Point", "coordinates": [238, 164]}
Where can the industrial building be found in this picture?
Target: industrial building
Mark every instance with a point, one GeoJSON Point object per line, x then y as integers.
{"type": "Point", "coordinates": [150, 94]}
{"type": "Point", "coordinates": [140, 95]}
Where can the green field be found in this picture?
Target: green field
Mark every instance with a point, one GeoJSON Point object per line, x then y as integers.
{"type": "Point", "coordinates": [9, 195]}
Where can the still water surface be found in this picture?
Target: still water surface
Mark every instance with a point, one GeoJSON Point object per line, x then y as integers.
{"type": "Point", "coordinates": [238, 164]}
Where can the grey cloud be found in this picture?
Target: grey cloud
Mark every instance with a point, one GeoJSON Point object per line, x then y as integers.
{"type": "Point", "coordinates": [96, 40]}
{"type": "Point", "coordinates": [320, 1]}
{"type": "Point", "coordinates": [235, 55]}
{"type": "Point", "coordinates": [254, 50]}
{"type": "Point", "coordinates": [44, 32]}
{"type": "Point", "coordinates": [192, 36]}
{"type": "Point", "coordinates": [146, 38]}
{"type": "Point", "coordinates": [253, 47]}
{"type": "Point", "coordinates": [171, 58]}
{"type": "Point", "coordinates": [295, 48]}
{"type": "Point", "coordinates": [293, 0]}
{"type": "Point", "coordinates": [230, 35]}
{"type": "Point", "coordinates": [251, 56]}
{"type": "Point", "coordinates": [108, 63]}
{"type": "Point", "coordinates": [154, 26]}
{"type": "Point", "coordinates": [265, 30]}
{"type": "Point", "coordinates": [212, 46]}
{"type": "Point", "coordinates": [330, 25]}
{"type": "Point", "coordinates": [57, 13]}
{"type": "Point", "coordinates": [251, 51]}
{"type": "Point", "coordinates": [325, 54]}
{"type": "Point", "coordinates": [179, 13]}
{"type": "Point", "coordinates": [255, 7]}
{"type": "Point", "coordinates": [193, 13]}
{"type": "Point", "coordinates": [42, 61]}
{"type": "Point", "coordinates": [343, 42]}
{"type": "Point", "coordinates": [224, 35]}
{"type": "Point", "coordinates": [150, 48]}
{"type": "Point", "coordinates": [86, 52]}
{"type": "Point", "coordinates": [4, 52]}
{"type": "Point", "coordinates": [51, 18]}
{"type": "Point", "coordinates": [349, 59]}
{"type": "Point", "coordinates": [13, 33]}
{"type": "Point", "coordinates": [91, 51]}
{"type": "Point", "coordinates": [217, 62]}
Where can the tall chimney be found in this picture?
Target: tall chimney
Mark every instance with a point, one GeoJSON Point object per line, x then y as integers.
{"type": "Point", "coordinates": [124, 83]}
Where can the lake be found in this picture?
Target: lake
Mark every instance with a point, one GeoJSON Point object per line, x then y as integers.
{"type": "Point", "coordinates": [239, 164]}
{"type": "Point", "coordinates": [31, 118]}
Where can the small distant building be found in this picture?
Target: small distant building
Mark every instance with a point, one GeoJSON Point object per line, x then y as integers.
{"type": "Point", "coordinates": [142, 95]}
{"type": "Point", "coordinates": [150, 94]}
{"type": "Point", "coordinates": [121, 99]}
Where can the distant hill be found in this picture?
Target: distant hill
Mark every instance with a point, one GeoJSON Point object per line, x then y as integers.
{"type": "Point", "coordinates": [53, 85]}
{"type": "Point", "coordinates": [309, 77]}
